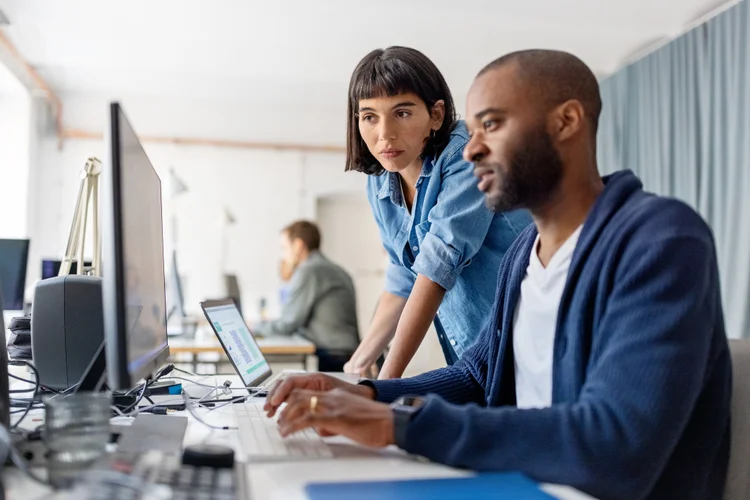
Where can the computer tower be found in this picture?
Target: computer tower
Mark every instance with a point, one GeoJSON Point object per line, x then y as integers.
{"type": "Point", "coordinates": [67, 328]}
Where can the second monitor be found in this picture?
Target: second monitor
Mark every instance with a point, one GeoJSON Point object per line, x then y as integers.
{"type": "Point", "coordinates": [134, 305]}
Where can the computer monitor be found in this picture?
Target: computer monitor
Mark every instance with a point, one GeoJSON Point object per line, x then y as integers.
{"type": "Point", "coordinates": [14, 257]}
{"type": "Point", "coordinates": [133, 287]}
{"type": "Point", "coordinates": [51, 267]}
{"type": "Point", "coordinates": [232, 290]}
{"type": "Point", "coordinates": [4, 386]}
{"type": "Point", "coordinates": [175, 297]}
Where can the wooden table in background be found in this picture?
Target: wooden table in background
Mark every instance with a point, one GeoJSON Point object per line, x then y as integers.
{"type": "Point", "coordinates": [275, 348]}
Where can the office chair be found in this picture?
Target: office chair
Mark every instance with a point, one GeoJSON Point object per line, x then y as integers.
{"type": "Point", "coordinates": [737, 486]}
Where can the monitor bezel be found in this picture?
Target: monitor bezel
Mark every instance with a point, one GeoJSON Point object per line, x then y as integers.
{"type": "Point", "coordinates": [113, 285]}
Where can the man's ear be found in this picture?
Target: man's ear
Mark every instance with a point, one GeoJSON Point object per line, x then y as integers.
{"type": "Point", "coordinates": [568, 120]}
{"type": "Point", "coordinates": [298, 245]}
{"type": "Point", "coordinates": [437, 114]}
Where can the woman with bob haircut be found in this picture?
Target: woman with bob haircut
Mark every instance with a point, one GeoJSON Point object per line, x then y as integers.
{"type": "Point", "coordinates": [444, 245]}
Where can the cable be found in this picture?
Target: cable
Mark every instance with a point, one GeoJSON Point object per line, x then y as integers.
{"type": "Point", "coordinates": [71, 388]}
{"type": "Point", "coordinates": [138, 400]}
{"type": "Point", "coordinates": [209, 386]}
{"type": "Point", "coordinates": [20, 378]}
{"type": "Point", "coordinates": [186, 372]}
{"type": "Point", "coordinates": [233, 401]}
{"type": "Point", "coordinates": [189, 406]}
{"type": "Point", "coordinates": [32, 400]}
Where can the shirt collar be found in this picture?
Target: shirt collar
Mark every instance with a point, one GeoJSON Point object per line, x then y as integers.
{"type": "Point", "coordinates": [392, 185]}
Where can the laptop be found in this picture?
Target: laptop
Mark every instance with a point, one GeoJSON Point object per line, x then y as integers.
{"type": "Point", "coordinates": [239, 345]}
{"type": "Point", "coordinates": [259, 436]}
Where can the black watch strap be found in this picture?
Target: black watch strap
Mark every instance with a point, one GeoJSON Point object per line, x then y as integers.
{"type": "Point", "coordinates": [368, 383]}
{"type": "Point", "coordinates": [404, 409]}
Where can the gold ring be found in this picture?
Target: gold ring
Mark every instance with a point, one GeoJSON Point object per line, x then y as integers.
{"type": "Point", "coordinates": [313, 403]}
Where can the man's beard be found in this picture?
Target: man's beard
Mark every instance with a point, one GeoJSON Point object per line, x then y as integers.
{"type": "Point", "coordinates": [535, 172]}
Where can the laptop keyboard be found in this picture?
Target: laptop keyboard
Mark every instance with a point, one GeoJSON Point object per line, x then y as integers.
{"type": "Point", "coordinates": [260, 438]}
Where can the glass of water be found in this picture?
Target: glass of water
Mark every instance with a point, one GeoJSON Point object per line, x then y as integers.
{"type": "Point", "coordinates": [76, 432]}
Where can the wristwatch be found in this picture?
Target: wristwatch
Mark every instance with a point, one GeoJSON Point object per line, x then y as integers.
{"type": "Point", "coordinates": [404, 409]}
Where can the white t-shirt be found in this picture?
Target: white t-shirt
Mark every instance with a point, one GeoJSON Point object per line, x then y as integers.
{"type": "Point", "coordinates": [535, 322]}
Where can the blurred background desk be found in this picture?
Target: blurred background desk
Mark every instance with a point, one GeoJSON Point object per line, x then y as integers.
{"type": "Point", "coordinates": [204, 354]}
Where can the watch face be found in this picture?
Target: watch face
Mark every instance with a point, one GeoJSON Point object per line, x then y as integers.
{"type": "Point", "coordinates": [414, 402]}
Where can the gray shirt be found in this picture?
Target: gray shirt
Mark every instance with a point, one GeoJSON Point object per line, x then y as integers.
{"type": "Point", "coordinates": [321, 307]}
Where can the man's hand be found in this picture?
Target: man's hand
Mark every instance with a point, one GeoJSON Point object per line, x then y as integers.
{"type": "Point", "coordinates": [338, 412]}
{"type": "Point", "coordinates": [312, 382]}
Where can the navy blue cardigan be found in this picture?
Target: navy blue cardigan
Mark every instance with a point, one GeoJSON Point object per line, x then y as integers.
{"type": "Point", "coordinates": [641, 371]}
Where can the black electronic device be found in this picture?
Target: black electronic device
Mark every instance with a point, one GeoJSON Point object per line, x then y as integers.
{"type": "Point", "coordinates": [208, 455]}
{"type": "Point", "coordinates": [4, 389]}
{"type": "Point", "coordinates": [134, 305]}
{"type": "Point", "coordinates": [14, 257]}
{"type": "Point", "coordinates": [51, 268]}
{"type": "Point", "coordinates": [67, 328]}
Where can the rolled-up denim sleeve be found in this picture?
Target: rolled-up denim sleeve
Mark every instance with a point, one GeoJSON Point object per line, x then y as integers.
{"type": "Point", "coordinates": [398, 280]}
{"type": "Point", "coordinates": [459, 222]}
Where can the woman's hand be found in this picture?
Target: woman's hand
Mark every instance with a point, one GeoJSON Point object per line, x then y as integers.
{"type": "Point", "coordinates": [356, 367]}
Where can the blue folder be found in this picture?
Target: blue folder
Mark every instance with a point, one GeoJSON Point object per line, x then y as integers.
{"type": "Point", "coordinates": [513, 486]}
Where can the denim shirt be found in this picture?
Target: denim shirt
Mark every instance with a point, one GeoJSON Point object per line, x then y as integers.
{"type": "Point", "coordinates": [449, 237]}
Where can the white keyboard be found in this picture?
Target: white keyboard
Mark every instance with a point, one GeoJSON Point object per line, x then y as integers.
{"type": "Point", "coordinates": [260, 438]}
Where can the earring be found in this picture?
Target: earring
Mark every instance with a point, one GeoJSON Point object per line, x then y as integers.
{"type": "Point", "coordinates": [432, 134]}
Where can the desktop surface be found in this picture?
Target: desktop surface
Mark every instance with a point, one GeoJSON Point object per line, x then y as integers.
{"type": "Point", "coordinates": [285, 480]}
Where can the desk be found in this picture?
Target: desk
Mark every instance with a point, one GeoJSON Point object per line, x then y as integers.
{"type": "Point", "coordinates": [205, 341]}
{"type": "Point", "coordinates": [287, 480]}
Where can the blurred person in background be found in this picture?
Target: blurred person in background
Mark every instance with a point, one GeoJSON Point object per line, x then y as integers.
{"type": "Point", "coordinates": [444, 245]}
{"type": "Point", "coordinates": [285, 273]}
{"type": "Point", "coordinates": [321, 302]}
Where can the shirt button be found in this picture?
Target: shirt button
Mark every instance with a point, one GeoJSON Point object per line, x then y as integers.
{"type": "Point", "coordinates": [415, 248]}
{"type": "Point", "coordinates": [453, 342]}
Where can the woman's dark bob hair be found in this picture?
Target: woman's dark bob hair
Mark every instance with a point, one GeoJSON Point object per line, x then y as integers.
{"type": "Point", "coordinates": [389, 72]}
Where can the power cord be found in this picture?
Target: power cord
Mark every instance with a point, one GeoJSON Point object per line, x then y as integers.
{"type": "Point", "coordinates": [190, 406]}
{"type": "Point", "coordinates": [32, 400]}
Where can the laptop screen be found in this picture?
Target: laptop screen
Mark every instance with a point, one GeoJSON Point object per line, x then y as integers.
{"type": "Point", "coordinates": [238, 342]}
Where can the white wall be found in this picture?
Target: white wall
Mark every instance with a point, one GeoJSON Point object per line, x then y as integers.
{"type": "Point", "coordinates": [264, 190]}
{"type": "Point", "coordinates": [15, 137]}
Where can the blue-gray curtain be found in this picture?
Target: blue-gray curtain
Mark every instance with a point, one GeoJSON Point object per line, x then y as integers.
{"type": "Point", "coordinates": [680, 119]}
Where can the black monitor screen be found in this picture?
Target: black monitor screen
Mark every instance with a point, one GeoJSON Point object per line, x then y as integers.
{"type": "Point", "coordinates": [133, 274]}
{"type": "Point", "coordinates": [51, 268]}
{"type": "Point", "coordinates": [14, 256]}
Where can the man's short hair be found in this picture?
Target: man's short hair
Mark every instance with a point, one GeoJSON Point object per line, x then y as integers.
{"type": "Point", "coordinates": [306, 231]}
{"type": "Point", "coordinates": [556, 77]}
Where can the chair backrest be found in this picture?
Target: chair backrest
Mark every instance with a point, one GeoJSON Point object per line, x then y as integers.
{"type": "Point", "coordinates": [737, 486]}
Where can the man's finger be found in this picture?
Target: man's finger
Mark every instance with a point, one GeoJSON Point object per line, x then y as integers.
{"type": "Point", "coordinates": [278, 395]}
{"type": "Point", "coordinates": [320, 421]}
{"type": "Point", "coordinates": [297, 404]}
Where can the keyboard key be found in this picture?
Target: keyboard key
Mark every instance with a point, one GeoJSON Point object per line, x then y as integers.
{"type": "Point", "coordinates": [259, 437]}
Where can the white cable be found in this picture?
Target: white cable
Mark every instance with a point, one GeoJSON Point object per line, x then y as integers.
{"type": "Point", "coordinates": [120, 413]}
{"type": "Point", "coordinates": [187, 372]}
{"type": "Point", "coordinates": [210, 386]}
{"type": "Point", "coordinates": [233, 401]}
{"type": "Point", "coordinates": [189, 405]}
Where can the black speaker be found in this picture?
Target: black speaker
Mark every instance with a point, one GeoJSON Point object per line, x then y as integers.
{"type": "Point", "coordinates": [67, 328]}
